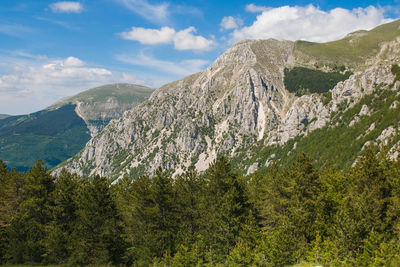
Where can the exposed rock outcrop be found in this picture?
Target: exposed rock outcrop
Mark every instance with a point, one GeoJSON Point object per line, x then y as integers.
{"type": "Point", "coordinates": [237, 101]}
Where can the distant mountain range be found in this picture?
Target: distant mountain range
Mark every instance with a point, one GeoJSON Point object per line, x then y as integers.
{"type": "Point", "coordinates": [61, 130]}
{"type": "Point", "coordinates": [261, 102]}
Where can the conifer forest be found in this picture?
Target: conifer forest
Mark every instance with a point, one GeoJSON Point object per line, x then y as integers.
{"type": "Point", "coordinates": [280, 217]}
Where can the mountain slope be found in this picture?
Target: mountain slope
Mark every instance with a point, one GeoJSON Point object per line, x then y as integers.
{"type": "Point", "coordinates": [99, 105]}
{"type": "Point", "coordinates": [355, 49]}
{"type": "Point", "coordinates": [239, 101]}
{"type": "Point", "coordinates": [60, 131]}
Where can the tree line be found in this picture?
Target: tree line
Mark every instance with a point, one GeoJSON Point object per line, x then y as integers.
{"type": "Point", "coordinates": [217, 218]}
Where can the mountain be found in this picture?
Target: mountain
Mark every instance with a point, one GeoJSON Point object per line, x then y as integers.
{"type": "Point", "coordinates": [98, 106]}
{"type": "Point", "coordinates": [61, 130]}
{"type": "Point", "coordinates": [258, 100]}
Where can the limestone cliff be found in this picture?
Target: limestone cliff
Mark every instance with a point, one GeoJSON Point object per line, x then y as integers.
{"type": "Point", "coordinates": [237, 101]}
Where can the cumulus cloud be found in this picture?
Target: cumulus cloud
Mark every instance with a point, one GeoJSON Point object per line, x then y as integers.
{"type": "Point", "coordinates": [66, 7]}
{"type": "Point", "coordinates": [164, 35]}
{"type": "Point", "coordinates": [156, 13]}
{"type": "Point", "coordinates": [37, 82]}
{"type": "Point", "coordinates": [256, 9]}
{"type": "Point", "coordinates": [309, 23]}
{"type": "Point", "coordinates": [182, 40]}
{"type": "Point", "coordinates": [181, 68]}
{"type": "Point", "coordinates": [73, 62]}
{"type": "Point", "coordinates": [230, 22]}
{"type": "Point", "coordinates": [186, 40]}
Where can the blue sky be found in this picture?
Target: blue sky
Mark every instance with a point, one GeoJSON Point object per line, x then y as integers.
{"type": "Point", "coordinates": [54, 49]}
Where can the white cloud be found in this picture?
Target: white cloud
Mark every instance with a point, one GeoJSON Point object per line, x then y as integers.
{"type": "Point", "coordinates": [66, 7]}
{"type": "Point", "coordinates": [256, 9]}
{"type": "Point", "coordinates": [182, 40]}
{"type": "Point", "coordinates": [309, 23]}
{"type": "Point", "coordinates": [185, 40]}
{"type": "Point", "coordinates": [230, 22]}
{"type": "Point", "coordinates": [73, 62]}
{"type": "Point", "coordinates": [37, 82]}
{"type": "Point", "coordinates": [154, 13]}
{"type": "Point", "coordinates": [181, 68]}
{"type": "Point", "coordinates": [164, 35]}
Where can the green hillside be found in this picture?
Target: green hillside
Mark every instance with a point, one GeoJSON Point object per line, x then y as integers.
{"type": "Point", "coordinates": [123, 93]}
{"type": "Point", "coordinates": [50, 135]}
{"type": "Point", "coordinates": [354, 48]}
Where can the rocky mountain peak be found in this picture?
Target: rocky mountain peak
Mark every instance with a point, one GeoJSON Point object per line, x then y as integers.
{"type": "Point", "coordinates": [239, 100]}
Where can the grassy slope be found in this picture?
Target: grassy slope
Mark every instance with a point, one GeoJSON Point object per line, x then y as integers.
{"type": "Point", "coordinates": [124, 93]}
{"type": "Point", "coordinates": [351, 50]}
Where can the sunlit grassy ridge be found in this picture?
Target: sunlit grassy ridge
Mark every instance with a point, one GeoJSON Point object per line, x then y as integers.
{"type": "Point", "coordinates": [124, 93]}
{"type": "Point", "coordinates": [354, 48]}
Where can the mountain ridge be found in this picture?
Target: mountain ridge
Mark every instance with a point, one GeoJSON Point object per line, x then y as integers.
{"type": "Point", "coordinates": [62, 129]}
{"type": "Point", "coordinates": [239, 100]}
{"type": "Point", "coordinates": [97, 106]}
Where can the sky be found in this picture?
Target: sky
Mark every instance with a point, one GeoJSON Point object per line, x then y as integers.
{"type": "Point", "coordinates": [53, 49]}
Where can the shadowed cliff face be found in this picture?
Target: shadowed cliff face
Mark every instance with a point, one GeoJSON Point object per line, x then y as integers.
{"type": "Point", "coordinates": [237, 101]}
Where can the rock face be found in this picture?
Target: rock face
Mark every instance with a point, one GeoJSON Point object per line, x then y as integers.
{"type": "Point", "coordinates": [237, 101]}
{"type": "Point", "coordinates": [234, 102]}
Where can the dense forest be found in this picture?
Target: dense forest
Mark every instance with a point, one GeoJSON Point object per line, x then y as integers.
{"type": "Point", "coordinates": [217, 218]}
{"type": "Point", "coordinates": [303, 81]}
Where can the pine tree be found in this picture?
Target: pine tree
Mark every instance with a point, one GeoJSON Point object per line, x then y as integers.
{"type": "Point", "coordinates": [366, 207]}
{"type": "Point", "coordinates": [9, 201]}
{"type": "Point", "coordinates": [27, 230]}
{"type": "Point", "coordinates": [138, 210]}
{"type": "Point", "coordinates": [189, 188]}
{"type": "Point", "coordinates": [58, 241]}
{"type": "Point", "coordinates": [292, 210]}
{"type": "Point", "coordinates": [97, 235]}
{"type": "Point", "coordinates": [224, 208]}
{"type": "Point", "coordinates": [166, 221]}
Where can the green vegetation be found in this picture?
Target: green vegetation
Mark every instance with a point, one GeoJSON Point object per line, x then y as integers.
{"type": "Point", "coordinates": [52, 135]}
{"type": "Point", "coordinates": [286, 216]}
{"type": "Point", "coordinates": [339, 145]}
{"type": "Point", "coordinates": [396, 71]}
{"type": "Point", "coordinates": [303, 81]}
{"type": "Point", "coordinates": [353, 49]}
